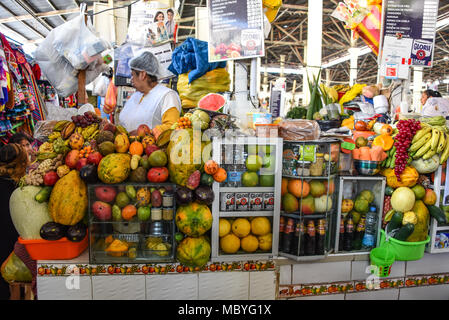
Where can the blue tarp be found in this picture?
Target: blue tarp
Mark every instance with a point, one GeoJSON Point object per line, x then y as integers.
{"type": "Point", "coordinates": [192, 57]}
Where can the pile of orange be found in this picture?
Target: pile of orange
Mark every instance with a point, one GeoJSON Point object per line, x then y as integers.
{"type": "Point", "coordinates": [84, 153]}
{"type": "Point", "coordinates": [184, 123]}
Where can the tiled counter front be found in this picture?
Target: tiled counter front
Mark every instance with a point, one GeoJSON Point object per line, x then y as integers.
{"type": "Point", "coordinates": [345, 278]}
{"type": "Point", "coordinates": [249, 280]}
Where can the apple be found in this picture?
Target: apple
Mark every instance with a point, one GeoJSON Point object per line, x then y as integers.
{"type": "Point", "coordinates": [72, 158]}
{"type": "Point", "coordinates": [143, 130]}
{"type": "Point", "coordinates": [102, 210]}
{"type": "Point", "coordinates": [150, 149]}
{"type": "Point", "coordinates": [94, 158]}
{"type": "Point", "coordinates": [50, 178]}
{"type": "Point", "coordinates": [105, 193]}
{"type": "Point", "coordinates": [81, 163]}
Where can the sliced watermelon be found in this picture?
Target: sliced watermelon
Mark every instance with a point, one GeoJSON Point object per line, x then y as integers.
{"type": "Point", "coordinates": [212, 102]}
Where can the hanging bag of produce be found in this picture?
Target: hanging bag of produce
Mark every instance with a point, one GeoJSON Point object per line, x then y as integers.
{"type": "Point", "coordinates": [110, 101]}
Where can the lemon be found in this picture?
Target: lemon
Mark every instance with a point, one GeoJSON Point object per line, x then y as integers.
{"type": "Point", "coordinates": [260, 226]}
{"type": "Point", "coordinates": [224, 227]}
{"type": "Point", "coordinates": [230, 243]}
{"type": "Point", "coordinates": [241, 227]}
{"type": "Point", "coordinates": [265, 242]}
{"type": "Point", "coordinates": [249, 243]}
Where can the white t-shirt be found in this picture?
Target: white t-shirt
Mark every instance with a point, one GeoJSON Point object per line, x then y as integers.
{"type": "Point", "coordinates": [150, 110]}
{"type": "Point", "coordinates": [436, 107]}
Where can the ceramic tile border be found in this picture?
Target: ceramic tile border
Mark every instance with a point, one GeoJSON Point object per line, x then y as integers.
{"type": "Point", "coordinates": [302, 290]}
{"type": "Point", "coordinates": [130, 269]}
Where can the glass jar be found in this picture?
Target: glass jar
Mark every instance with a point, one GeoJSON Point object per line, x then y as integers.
{"type": "Point", "coordinates": [156, 214]}
{"type": "Point", "coordinates": [316, 168]}
{"type": "Point", "coordinates": [167, 199]}
{"type": "Point", "coordinates": [167, 213]}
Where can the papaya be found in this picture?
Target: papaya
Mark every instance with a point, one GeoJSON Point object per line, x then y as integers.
{"type": "Point", "coordinates": [68, 199]}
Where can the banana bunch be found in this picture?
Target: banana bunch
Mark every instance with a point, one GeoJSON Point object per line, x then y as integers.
{"type": "Point", "coordinates": [434, 121]}
{"type": "Point", "coordinates": [46, 147]}
{"type": "Point", "coordinates": [430, 140]}
{"type": "Point", "coordinates": [60, 125]}
{"type": "Point", "coordinates": [90, 132]}
{"type": "Point", "coordinates": [53, 136]}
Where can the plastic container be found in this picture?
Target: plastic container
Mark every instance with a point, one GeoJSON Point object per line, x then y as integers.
{"type": "Point", "coordinates": [404, 251]}
{"type": "Point", "coordinates": [383, 258]}
{"type": "Point", "coordinates": [267, 130]}
{"type": "Point", "coordinates": [367, 168]}
{"type": "Point", "coordinates": [61, 249]}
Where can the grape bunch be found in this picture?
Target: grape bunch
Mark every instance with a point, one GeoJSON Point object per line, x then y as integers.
{"type": "Point", "coordinates": [85, 120]}
{"type": "Point", "coordinates": [407, 130]}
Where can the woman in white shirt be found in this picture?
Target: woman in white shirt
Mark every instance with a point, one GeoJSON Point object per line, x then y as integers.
{"type": "Point", "coordinates": [434, 105]}
{"type": "Point", "coordinates": [153, 104]}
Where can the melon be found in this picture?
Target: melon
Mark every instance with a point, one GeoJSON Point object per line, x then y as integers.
{"type": "Point", "coordinates": [27, 214]}
{"type": "Point", "coordinates": [403, 199]}
{"type": "Point", "coordinates": [193, 252]}
{"type": "Point", "coordinates": [212, 102]}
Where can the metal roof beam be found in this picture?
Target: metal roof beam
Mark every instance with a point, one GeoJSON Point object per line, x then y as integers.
{"type": "Point", "coordinates": [28, 9]}
{"type": "Point", "coordinates": [54, 8]}
{"type": "Point", "coordinates": [41, 14]}
{"type": "Point", "coordinates": [25, 24]}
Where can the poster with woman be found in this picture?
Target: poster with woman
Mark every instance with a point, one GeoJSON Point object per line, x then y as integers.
{"type": "Point", "coordinates": [151, 25]}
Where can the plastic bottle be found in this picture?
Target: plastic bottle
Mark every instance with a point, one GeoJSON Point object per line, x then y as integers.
{"type": "Point", "coordinates": [359, 233]}
{"type": "Point", "coordinates": [296, 236]}
{"type": "Point", "coordinates": [302, 240]}
{"type": "Point", "coordinates": [281, 233]}
{"type": "Point", "coordinates": [369, 239]}
{"type": "Point", "coordinates": [349, 233]}
{"type": "Point", "coordinates": [310, 239]}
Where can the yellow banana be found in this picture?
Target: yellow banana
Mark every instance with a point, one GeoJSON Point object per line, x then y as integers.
{"type": "Point", "coordinates": [445, 153]}
{"type": "Point", "coordinates": [429, 154]}
{"type": "Point", "coordinates": [435, 138]}
{"type": "Point", "coordinates": [421, 133]}
{"type": "Point", "coordinates": [418, 144]}
{"type": "Point", "coordinates": [423, 150]}
{"type": "Point", "coordinates": [441, 142]}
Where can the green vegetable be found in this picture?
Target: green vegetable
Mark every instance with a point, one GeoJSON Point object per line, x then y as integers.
{"type": "Point", "coordinates": [388, 191]}
{"type": "Point", "coordinates": [297, 113]}
{"type": "Point", "coordinates": [405, 232]}
{"type": "Point", "coordinates": [395, 222]}
{"type": "Point", "coordinates": [315, 98]}
{"type": "Point", "coordinates": [438, 214]}
{"type": "Point", "coordinates": [43, 195]}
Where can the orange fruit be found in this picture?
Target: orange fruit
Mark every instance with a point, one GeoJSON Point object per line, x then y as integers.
{"type": "Point", "coordinates": [136, 148]}
{"type": "Point", "coordinates": [298, 188]}
{"type": "Point", "coordinates": [129, 212]}
{"type": "Point", "coordinates": [220, 175]}
{"type": "Point", "coordinates": [284, 186]}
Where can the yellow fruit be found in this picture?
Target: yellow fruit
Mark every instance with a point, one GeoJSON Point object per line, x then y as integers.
{"type": "Point", "coordinates": [241, 227]}
{"type": "Point", "coordinates": [224, 227]}
{"type": "Point", "coordinates": [260, 226]}
{"type": "Point", "coordinates": [265, 242]}
{"type": "Point", "coordinates": [230, 243]}
{"type": "Point", "coordinates": [249, 243]}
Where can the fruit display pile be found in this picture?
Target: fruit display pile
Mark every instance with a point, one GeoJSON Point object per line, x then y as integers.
{"type": "Point", "coordinates": [307, 196]}
{"type": "Point", "coordinates": [247, 234]}
{"type": "Point", "coordinates": [129, 174]}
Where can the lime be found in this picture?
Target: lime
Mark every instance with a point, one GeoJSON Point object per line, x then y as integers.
{"type": "Point", "coordinates": [266, 180]}
{"type": "Point", "coordinates": [143, 213]}
{"type": "Point", "coordinates": [122, 200]}
{"type": "Point", "coordinates": [179, 236]}
{"type": "Point", "coordinates": [252, 149]}
{"type": "Point", "coordinates": [250, 179]}
{"type": "Point", "coordinates": [265, 149]}
{"type": "Point", "coordinates": [253, 163]}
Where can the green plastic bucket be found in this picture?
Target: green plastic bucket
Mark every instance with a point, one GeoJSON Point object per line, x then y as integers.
{"type": "Point", "coordinates": [383, 258]}
{"type": "Point", "coordinates": [404, 251]}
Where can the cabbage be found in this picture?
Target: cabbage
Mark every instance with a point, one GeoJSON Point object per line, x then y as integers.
{"type": "Point", "coordinates": [27, 214]}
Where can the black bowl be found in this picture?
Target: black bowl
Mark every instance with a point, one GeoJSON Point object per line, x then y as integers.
{"type": "Point", "coordinates": [329, 124]}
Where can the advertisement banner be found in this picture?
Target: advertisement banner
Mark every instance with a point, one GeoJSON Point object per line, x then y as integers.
{"type": "Point", "coordinates": [235, 29]}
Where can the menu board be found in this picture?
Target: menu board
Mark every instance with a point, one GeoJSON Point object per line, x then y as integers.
{"type": "Point", "coordinates": [235, 29]}
{"type": "Point", "coordinates": [414, 20]}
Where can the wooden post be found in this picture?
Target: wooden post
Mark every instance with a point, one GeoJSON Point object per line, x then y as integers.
{"type": "Point", "coordinates": [81, 94]}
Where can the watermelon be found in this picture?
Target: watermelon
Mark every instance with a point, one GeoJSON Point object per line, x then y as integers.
{"type": "Point", "coordinates": [194, 219]}
{"type": "Point", "coordinates": [212, 102]}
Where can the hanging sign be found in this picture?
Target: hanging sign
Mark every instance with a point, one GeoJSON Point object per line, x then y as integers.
{"type": "Point", "coordinates": [395, 60]}
{"type": "Point", "coordinates": [414, 20]}
{"type": "Point", "coordinates": [277, 100]}
{"type": "Point", "coordinates": [236, 29]}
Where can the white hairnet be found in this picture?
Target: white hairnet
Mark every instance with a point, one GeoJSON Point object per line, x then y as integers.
{"type": "Point", "coordinates": [146, 62]}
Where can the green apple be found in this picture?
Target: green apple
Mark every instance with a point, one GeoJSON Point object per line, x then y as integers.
{"type": "Point", "coordinates": [143, 213]}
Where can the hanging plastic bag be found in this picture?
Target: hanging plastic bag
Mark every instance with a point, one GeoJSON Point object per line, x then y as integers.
{"type": "Point", "coordinates": [110, 101]}
{"type": "Point", "coordinates": [214, 81]}
{"type": "Point", "coordinates": [100, 86]}
{"type": "Point", "coordinates": [13, 269]}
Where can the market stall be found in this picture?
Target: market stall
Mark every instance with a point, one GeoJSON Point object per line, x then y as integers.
{"type": "Point", "coordinates": [336, 197]}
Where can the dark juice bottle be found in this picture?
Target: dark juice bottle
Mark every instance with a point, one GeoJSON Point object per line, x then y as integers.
{"type": "Point", "coordinates": [296, 236]}
{"type": "Point", "coordinates": [359, 233]}
{"type": "Point", "coordinates": [302, 239]}
{"type": "Point", "coordinates": [349, 233]}
{"type": "Point", "coordinates": [320, 237]}
{"type": "Point", "coordinates": [281, 233]}
{"type": "Point", "coordinates": [310, 239]}
{"type": "Point", "coordinates": [288, 236]}
{"type": "Point", "coordinates": [341, 238]}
